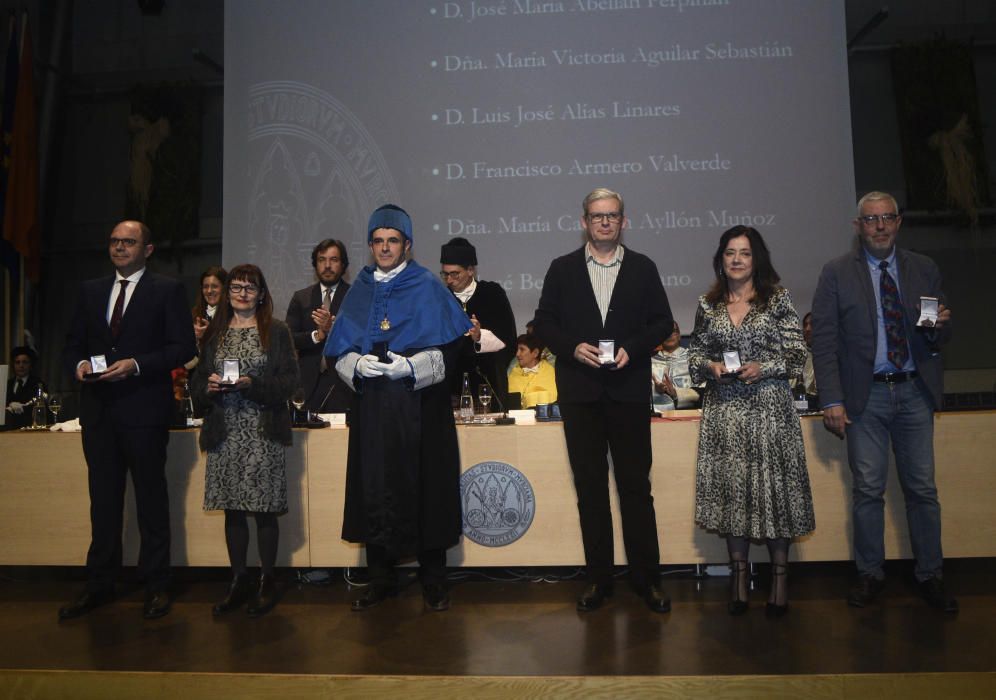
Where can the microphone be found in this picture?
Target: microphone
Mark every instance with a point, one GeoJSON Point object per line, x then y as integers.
{"type": "Point", "coordinates": [504, 420]}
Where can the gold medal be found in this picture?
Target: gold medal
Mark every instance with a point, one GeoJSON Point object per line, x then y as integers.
{"type": "Point", "coordinates": [385, 325]}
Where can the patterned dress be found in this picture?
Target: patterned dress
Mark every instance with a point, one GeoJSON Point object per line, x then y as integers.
{"type": "Point", "coordinates": [751, 478]}
{"type": "Point", "coordinates": [247, 470]}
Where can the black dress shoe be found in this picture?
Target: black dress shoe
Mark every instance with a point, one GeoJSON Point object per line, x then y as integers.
{"type": "Point", "coordinates": [865, 591]}
{"type": "Point", "coordinates": [933, 592]}
{"type": "Point", "coordinates": [265, 597]}
{"type": "Point", "coordinates": [372, 596]}
{"type": "Point", "coordinates": [593, 597]}
{"type": "Point", "coordinates": [657, 598]}
{"type": "Point", "coordinates": [157, 604]}
{"type": "Point", "coordinates": [436, 597]}
{"type": "Point", "coordinates": [238, 593]}
{"type": "Point", "coordinates": [87, 601]}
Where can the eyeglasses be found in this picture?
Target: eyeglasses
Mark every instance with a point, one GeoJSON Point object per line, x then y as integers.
{"type": "Point", "coordinates": [873, 219]}
{"type": "Point", "coordinates": [249, 289]}
{"type": "Point", "coordinates": [126, 242]}
{"type": "Point", "coordinates": [613, 217]}
{"type": "Point", "coordinates": [452, 275]}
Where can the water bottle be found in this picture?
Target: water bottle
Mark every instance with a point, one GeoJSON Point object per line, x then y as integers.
{"type": "Point", "coordinates": [188, 405]}
{"type": "Point", "coordinates": [39, 410]}
{"type": "Point", "coordinates": [799, 398]}
{"type": "Point", "coordinates": [466, 400]}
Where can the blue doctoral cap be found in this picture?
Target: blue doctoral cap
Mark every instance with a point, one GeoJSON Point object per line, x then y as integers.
{"type": "Point", "coordinates": [390, 216]}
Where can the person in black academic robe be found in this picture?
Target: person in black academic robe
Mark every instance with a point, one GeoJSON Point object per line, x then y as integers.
{"type": "Point", "coordinates": [488, 349]}
{"type": "Point", "coordinates": [395, 338]}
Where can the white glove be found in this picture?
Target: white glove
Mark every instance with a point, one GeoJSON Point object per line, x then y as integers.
{"type": "Point", "coordinates": [398, 368]}
{"type": "Point", "coordinates": [16, 407]}
{"type": "Point", "coordinates": [368, 367]}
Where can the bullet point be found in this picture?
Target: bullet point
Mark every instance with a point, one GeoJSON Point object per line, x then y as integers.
{"type": "Point", "coordinates": [433, 64]}
{"type": "Point", "coordinates": [432, 11]}
{"type": "Point", "coordinates": [435, 171]}
{"type": "Point", "coordinates": [435, 117]}
{"type": "Point", "coordinates": [435, 227]}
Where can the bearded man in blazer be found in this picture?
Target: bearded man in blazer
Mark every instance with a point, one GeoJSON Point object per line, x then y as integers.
{"type": "Point", "coordinates": [140, 323]}
{"type": "Point", "coordinates": [606, 291]}
{"type": "Point", "coordinates": [880, 378]}
{"type": "Point", "coordinates": [309, 316]}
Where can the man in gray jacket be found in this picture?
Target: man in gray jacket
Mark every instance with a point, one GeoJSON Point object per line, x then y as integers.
{"type": "Point", "coordinates": [880, 376]}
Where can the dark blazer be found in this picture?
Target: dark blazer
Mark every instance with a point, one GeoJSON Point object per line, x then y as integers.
{"type": "Point", "coordinates": [316, 384]}
{"type": "Point", "coordinates": [271, 390]}
{"type": "Point", "coordinates": [26, 394]}
{"type": "Point", "coordinates": [155, 330]}
{"type": "Point", "coordinates": [845, 327]}
{"type": "Point", "coordinates": [639, 319]}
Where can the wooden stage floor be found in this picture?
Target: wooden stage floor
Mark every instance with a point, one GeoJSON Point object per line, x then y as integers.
{"type": "Point", "coordinates": [515, 629]}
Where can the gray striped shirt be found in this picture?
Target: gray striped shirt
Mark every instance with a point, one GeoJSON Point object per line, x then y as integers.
{"type": "Point", "coordinates": [603, 277]}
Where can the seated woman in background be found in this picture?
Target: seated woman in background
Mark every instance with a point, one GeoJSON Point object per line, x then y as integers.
{"type": "Point", "coordinates": [532, 376]}
{"type": "Point", "coordinates": [213, 282]}
{"type": "Point", "coordinates": [246, 427]}
{"type": "Point", "coordinates": [670, 382]}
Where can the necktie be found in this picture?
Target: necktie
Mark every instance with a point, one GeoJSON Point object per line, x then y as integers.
{"type": "Point", "coordinates": [17, 386]}
{"type": "Point", "coordinates": [327, 304]}
{"type": "Point", "coordinates": [118, 310]}
{"type": "Point", "coordinates": [892, 313]}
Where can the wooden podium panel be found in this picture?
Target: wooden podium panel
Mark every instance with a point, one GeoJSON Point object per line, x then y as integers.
{"type": "Point", "coordinates": [44, 512]}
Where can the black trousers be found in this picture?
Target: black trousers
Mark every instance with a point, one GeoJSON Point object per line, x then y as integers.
{"type": "Point", "coordinates": [380, 565]}
{"type": "Point", "coordinates": [112, 452]}
{"type": "Point", "coordinates": [593, 430]}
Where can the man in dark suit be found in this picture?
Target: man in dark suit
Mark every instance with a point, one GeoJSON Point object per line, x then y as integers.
{"type": "Point", "coordinates": [880, 377]}
{"type": "Point", "coordinates": [604, 291]}
{"type": "Point", "coordinates": [139, 323]}
{"type": "Point", "coordinates": [21, 387]}
{"type": "Point", "coordinates": [490, 345]}
{"type": "Point", "coordinates": [310, 315]}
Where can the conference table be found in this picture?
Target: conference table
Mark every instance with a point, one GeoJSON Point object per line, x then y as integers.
{"type": "Point", "coordinates": [44, 509]}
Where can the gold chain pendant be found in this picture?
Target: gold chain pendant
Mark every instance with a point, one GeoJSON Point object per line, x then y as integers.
{"type": "Point", "coordinates": [385, 325]}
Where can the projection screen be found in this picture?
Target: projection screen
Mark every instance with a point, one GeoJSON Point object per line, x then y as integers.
{"type": "Point", "coordinates": [491, 119]}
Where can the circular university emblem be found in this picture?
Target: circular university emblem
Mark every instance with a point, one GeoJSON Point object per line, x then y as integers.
{"type": "Point", "coordinates": [498, 504]}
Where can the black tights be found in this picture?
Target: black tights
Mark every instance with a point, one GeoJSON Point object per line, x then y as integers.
{"type": "Point", "coordinates": [237, 539]}
{"type": "Point", "coordinates": [778, 549]}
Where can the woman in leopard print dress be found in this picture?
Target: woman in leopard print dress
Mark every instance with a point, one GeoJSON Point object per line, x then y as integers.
{"type": "Point", "coordinates": [751, 478]}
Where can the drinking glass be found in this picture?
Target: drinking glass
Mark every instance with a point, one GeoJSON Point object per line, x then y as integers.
{"type": "Point", "coordinates": [55, 405]}
{"type": "Point", "coordinates": [484, 396]}
{"type": "Point", "coordinates": [297, 399]}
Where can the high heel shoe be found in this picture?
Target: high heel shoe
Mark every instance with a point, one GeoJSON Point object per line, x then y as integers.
{"type": "Point", "coordinates": [238, 593]}
{"type": "Point", "coordinates": [773, 609]}
{"type": "Point", "coordinates": [739, 572]}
